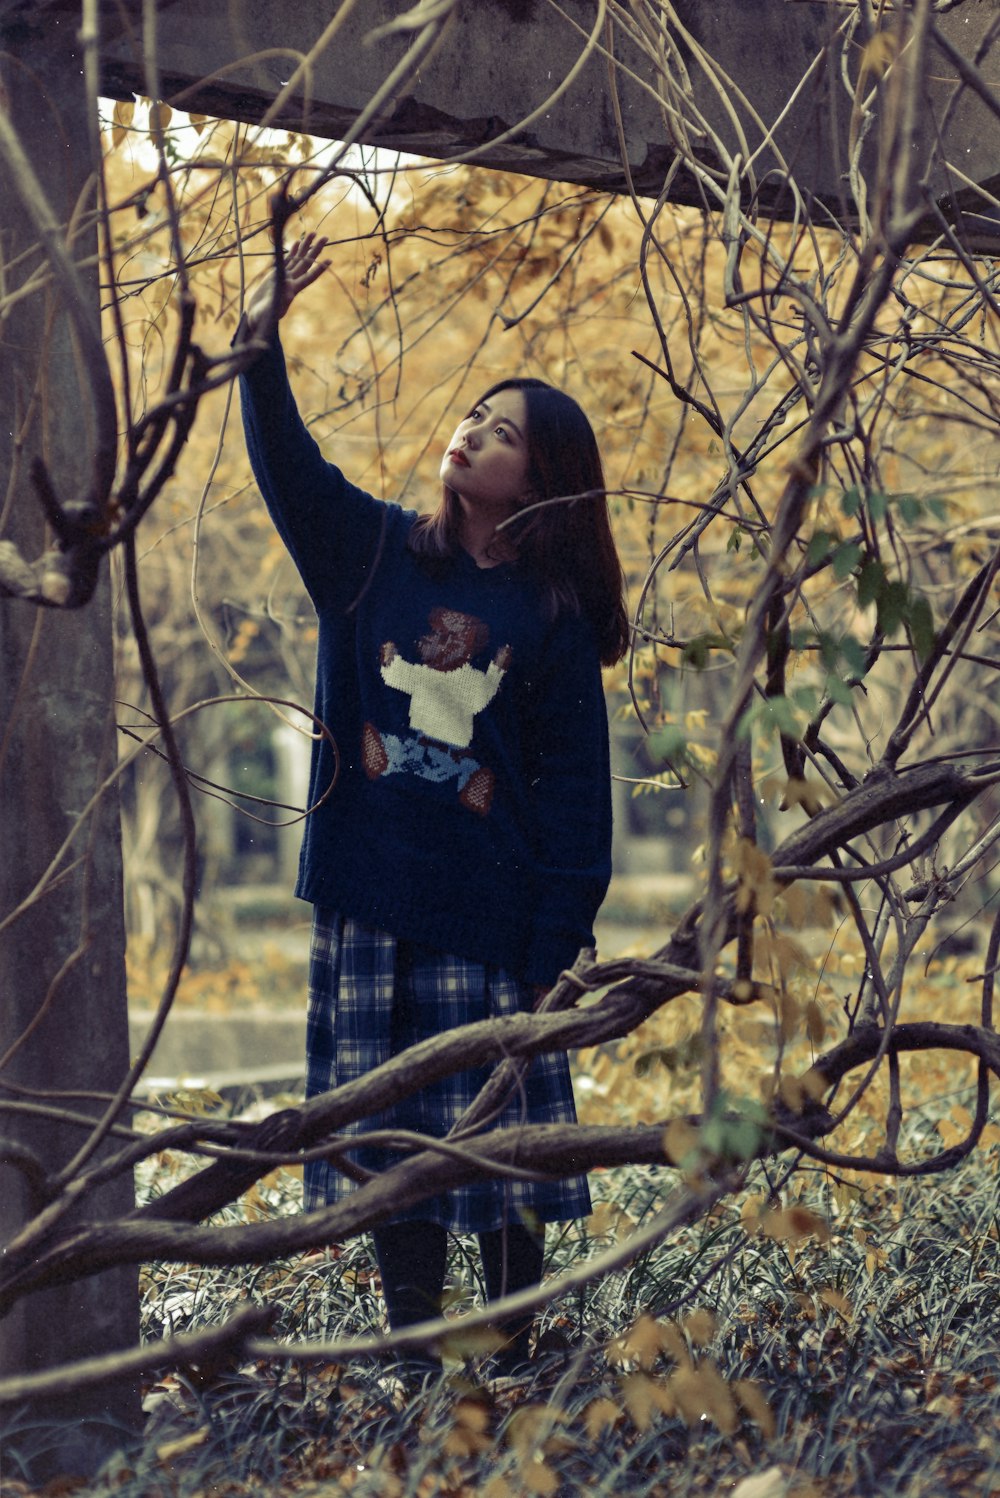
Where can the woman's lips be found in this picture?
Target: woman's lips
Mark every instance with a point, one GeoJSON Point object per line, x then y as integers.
{"type": "Point", "coordinates": [458, 456]}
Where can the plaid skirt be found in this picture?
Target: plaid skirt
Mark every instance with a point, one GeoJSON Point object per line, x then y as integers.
{"type": "Point", "coordinates": [370, 997]}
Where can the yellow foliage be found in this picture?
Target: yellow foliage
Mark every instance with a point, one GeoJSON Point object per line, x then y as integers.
{"type": "Point", "coordinates": [811, 795]}
{"type": "Point", "coordinates": [539, 1478]}
{"type": "Point", "coordinates": [599, 1416]}
{"type": "Point", "coordinates": [645, 1398]}
{"type": "Point", "coordinates": [792, 1224]}
{"type": "Point", "coordinates": [681, 1143]}
{"type": "Point", "coordinates": [754, 1402]}
{"type": "Point", "coordinates": [469, 1433]}
{"type": "Point", "coordinates": [756, 888]}
{"type": "Point", "coordinates": [606, 1218]}
{"type": "Point", "coordinates": [837, 1301]}
{"type": "Point", "coordinates": [700, 1326]}
{"type": "Point", "coordinates": [642, 1344]}
{"type": "Point", "coordinates": [703, 1391]}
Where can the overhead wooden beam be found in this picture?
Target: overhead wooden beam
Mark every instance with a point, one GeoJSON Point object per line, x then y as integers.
{"type": "Point", "coordinates": [780, 81]}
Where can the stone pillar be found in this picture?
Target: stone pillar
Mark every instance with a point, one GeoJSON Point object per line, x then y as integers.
{"type": "Point", "coordinates": [62, 962]}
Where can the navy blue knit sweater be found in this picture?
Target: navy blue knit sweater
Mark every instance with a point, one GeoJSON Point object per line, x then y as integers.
{"type": "Point", "coordinates": [472, 810]}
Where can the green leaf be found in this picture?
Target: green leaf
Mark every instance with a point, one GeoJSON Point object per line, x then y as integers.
{"type": "Point", "coordinates": [877, 504]}
{"type": "Point", "coordinates": [845, 559]}
{"type": "Point", "coordinates": [819, 548]}
{"type": "Point", "coordinates": [853, 653]}
{"type": "Point", "coordinates": [838, 690]}
{"type": "Point", "coordinates": [782, 715]}
{"type": "Point", "coordinates": [910, 508]}
{"type": "Point", "coordinates": [806, 700]}
{"type": "Point", "coordinates": [697, 649]}
{"type": "Point", "coordinates": [850, 502]}
{"type": "Point", "coordinates": [922, 626]}
{"type": "Point", "coordinates": [893, 606]}
{"type": "Point", "coordinates": [735, 539]}
{"type": "Point", "coordinates": [871, 582]}
{"type": "Point", "coordinates": [668, 742]}
{"type": "Point", "coordinates": [829, 650]}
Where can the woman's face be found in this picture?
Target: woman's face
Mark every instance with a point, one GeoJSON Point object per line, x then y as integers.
{"type": "Point", "coordinates": [487, 461]}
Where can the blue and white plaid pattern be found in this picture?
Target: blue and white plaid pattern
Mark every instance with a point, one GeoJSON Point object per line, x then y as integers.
{"type": "Point", "coordinates": [370, 997]}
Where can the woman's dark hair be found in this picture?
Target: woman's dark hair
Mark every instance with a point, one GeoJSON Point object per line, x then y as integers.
{"type": "Point", "coordinates": [566, 543]}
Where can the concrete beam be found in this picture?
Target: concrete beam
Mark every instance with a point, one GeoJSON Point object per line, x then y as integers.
{"type": "Point", "coordinates": [498, 62]}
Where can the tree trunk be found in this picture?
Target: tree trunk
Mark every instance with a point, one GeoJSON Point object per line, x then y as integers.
{"type": "Point", "coordinates": [62, 981]}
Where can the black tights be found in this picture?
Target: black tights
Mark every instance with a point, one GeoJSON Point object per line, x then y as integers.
{"type": "Point", "coordinates": [411, 1260]}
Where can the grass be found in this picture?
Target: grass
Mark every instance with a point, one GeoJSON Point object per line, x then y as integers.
{"type": "Point", "coordinates": [874, 1350]}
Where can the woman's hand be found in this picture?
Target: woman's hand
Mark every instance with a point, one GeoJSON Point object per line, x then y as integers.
{"type": "Point", "coordinates": [303, 266]}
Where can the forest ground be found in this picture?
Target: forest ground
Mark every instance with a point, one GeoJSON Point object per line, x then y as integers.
{"type": "Point", "coordinates": [851, 1352]}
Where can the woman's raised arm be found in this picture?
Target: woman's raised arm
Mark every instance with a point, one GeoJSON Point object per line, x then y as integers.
{"type": "Point", "coordinates": [303, 266]}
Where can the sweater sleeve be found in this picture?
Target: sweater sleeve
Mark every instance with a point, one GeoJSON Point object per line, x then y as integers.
{"type": "Point", "coordinates": [571, 797]}
{"type": "Point", "coordinates": [331, 528]}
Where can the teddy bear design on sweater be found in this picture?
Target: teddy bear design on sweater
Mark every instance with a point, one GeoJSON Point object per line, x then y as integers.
{"type": "Point", "coordinates": [446, 692]}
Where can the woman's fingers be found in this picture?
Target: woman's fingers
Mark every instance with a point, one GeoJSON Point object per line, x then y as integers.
{"type": "Point", "coordinates": [306, 251]}
{"type": "Point", "coordinates": [303, 264]}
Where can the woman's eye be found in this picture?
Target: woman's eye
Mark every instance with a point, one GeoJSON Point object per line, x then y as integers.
{"type": "Point", "coordinates": [502, 432]}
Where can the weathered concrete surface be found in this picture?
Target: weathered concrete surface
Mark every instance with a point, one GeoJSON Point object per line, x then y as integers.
{"type": "Point", "coordinates": [500, 59]}
{"type": "Point", "coordinates": [195, 1044]}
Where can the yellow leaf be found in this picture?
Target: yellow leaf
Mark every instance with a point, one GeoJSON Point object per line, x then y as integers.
{"type": "Point", "coordinates": [645, 1398]}
{"type": "Point", "coordinates": [599, 1416]}
{"type": "Point", "coordinates": [703, 1391]}
{"type": "Point", "coordinates": [750, 1213]}
{"type": "Point", "coordinates": [700, 1327]}
{"type": "Point", "coordinates": [878, 55]}
{"type": "Point", "coordinates": [826, 903]}
{"type": "Point", "coordinates": [475, 1342]}
{"type": "Point", "coordinates": [792, 1224]}
{"type": "Point", "coordinates": [792, 1093]}
{"type": "Point", "coordinates": [680, 1142]}
{"type": "Point", "coordinates": [754, 1402]}
{"type": "Point", "coordinates": [529, 1426]}
{"type": "Point", "coordinates": [673, 1343]}
{"type": "Point", "coordinates": [789, 955]}
{"type": "Point", "coordinates": [875, 1258]}
{"type": "Point", "coordinates": [815, 1024]}
{"type": "Point", "coordinates": [796, 903]}
{"type": "Point", "coordinates": [805, 793]}
{"type": "Point", "coordinates": [468, 1436]}
{"type": "Point", "coordinates": [756, 888]}
{"type": "Point", "coordinates": [814, 1084]}
{"type": "Point", "coordinates": [837, 1300]}
{"type": "Point", "coordinates": [159, 118]}
{"type": "Point", "coordinates": [538, 1478]}
{"type": "Point", "coordinates": [642, 1344]}
{"type": "Point", "coordinates": [789, 1013]}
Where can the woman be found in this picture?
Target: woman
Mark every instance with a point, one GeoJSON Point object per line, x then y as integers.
{"type": "Point", "coordinates": [459, 861]}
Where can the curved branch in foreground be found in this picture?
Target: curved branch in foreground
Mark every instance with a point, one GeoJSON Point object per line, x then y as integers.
{"type": "Point", "coordinates": [674, 970]}
{"type": "Point", "coordinates": [557, 1149]}
{"type": "Point", "coordinates": [652, 984]}
{"type": "Point", "coordinates": [209, 1348]}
